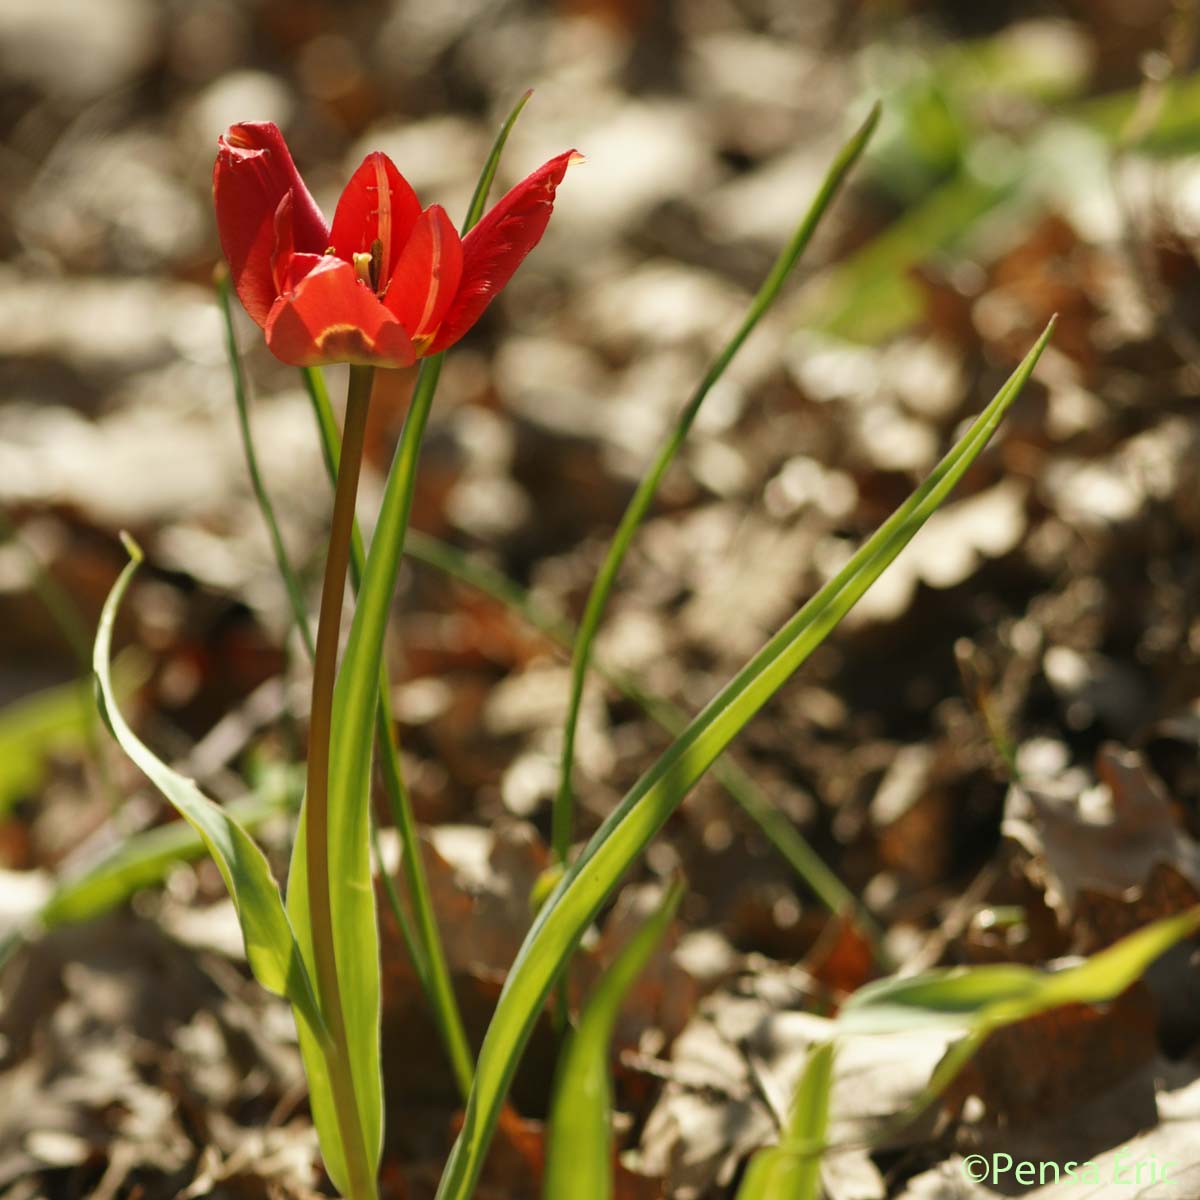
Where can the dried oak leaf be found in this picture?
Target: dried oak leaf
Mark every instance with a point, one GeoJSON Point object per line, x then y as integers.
{"type": "Point", "coordinates": [1109, 857]}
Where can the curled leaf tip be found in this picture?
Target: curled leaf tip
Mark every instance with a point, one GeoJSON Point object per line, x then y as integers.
{"type": "Point", "coordinates": [134, 551]}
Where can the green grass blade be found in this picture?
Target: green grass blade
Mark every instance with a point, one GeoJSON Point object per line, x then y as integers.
{"type": "Point", "coordinates": [775, 825]}
{"type": "Point", "coordinates": [488, 175]}
{"type": "Point", "coordinates": [55, 719]}
{"type": "Point", "coordinates": [792, 1170]}
{"type": "Point", "coordinates": [980, 998]}
{"type": "Point", "coordinates": [278, 953]}
{"type": "Point", "coordinates": [624, 835]}
{"type": "Point", "coordinates": [270, 945]}
{"type": "Point", "coordinates": [579, 1154]}
{"type": "Point", "coordinates": [563, 815]}
{"type": "Point", "coordinates": [292, 585]}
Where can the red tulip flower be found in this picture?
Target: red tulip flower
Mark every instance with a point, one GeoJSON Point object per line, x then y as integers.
{"type": "Point", "coordinates": [384, 285]}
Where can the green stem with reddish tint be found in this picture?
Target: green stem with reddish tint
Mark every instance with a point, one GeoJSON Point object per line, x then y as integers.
{"type": "Point", "coordinates": [316, 809]}
{"type": "Point", "coordinates": [422, 941]}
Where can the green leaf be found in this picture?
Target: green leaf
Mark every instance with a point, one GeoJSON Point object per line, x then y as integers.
{"type": "Point", "coordinates": [978, 1000]}
{"type": "Point", "coordinates": [270, 945]}
{"type": "Point", "coordinates": [792, 1170]}
{"type": "Point", "coordinates": [777, 827]}
{"type": "Point", "coordinates": [579, 1156]}
{"type": "Point", "coordinates": [312, 1050]}
{"type": "Point", "coordinates": [628, 830]}
{"type": "Point", "coordinates": [34, 727]}
{"type": "Point", "coordinates": [981, 998]}
{"type": "Point", "coordinates": [55, 720]}
{"type": "Point", "coordinates": [562, 818]}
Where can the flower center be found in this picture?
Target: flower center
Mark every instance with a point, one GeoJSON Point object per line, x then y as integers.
{"type": "Point", "coordinates": [367, 264]}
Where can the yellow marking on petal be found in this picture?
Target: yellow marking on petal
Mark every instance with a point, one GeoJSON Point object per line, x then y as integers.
{"type": "Point", "coordinates": [384, 211]}
{"type": "Point", "coordinates": [344, 343]}
{"type": "Point", "coordinates": [421, 344]}
{"type": "Point", "coordinates": [435, 274]}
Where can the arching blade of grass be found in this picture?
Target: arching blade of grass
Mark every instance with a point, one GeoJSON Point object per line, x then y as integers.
{"type": "Point", "coordinates": [271, 948]}
{"type": "Point", "coordinates": [979, 1000]}
{"type": "Point", "coordinates": [291, 583]}
{"type": "Point", "coordinates": [970, 998]}
{"type": "Point", "coordinates": [973, 1000]}
{"type": "Point", "coordinates": [639, 505]}
{"type": "Point", "coordinates": [273, 945]}
{"type": "Point", "coordinates": [579, 1162]}
{"type": "Point", "coordinates": [775, 825]}
{"type": "Point", "coordinates": [792, 1170]}
{"type": "Point", "coordinates": [625, 834]}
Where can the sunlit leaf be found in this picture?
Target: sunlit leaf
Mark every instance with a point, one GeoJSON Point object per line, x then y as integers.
{"type": "Point", "coordinates": [270, 945]}
{"type": "Point", "coordinates": [579, 1159]}
{"type": "Point", "coordinates": [792, 1170]}
{"type": "Point", "coordinates": [629, 829]}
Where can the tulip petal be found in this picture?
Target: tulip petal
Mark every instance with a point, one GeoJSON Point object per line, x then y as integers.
{"type": "Point", "coordinates": [427, 274]}
{"type": "Point", "coordinates": [331, 317]}
{"type": "Point", "coordinates": [254, 171]}
{"type": "Point", "coordinates": [494, 249]}
{"type": "Point", "coordinates": [377, 203]}
{"type": "Point", "coordinates": [287, 266]}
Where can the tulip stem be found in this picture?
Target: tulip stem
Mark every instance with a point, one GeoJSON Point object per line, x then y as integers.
{"type": "Point", "coordinates": [316, 807]}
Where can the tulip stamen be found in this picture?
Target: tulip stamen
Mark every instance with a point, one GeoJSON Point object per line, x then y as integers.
{"type": "Point", "coordinates": [377, 266]}
{"type": "Point", "coordinates": [362, 268]}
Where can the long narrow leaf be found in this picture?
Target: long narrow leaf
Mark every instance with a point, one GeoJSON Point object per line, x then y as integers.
{"type": "Point", "coordinates": [270, 945]}
{"type": "Point", "coordinates": [647, 489]}
{"type": "Point", "coordinates": [979, 1000]}
{"type": "Point", "coordinates": [579, 1161]}
{"type": "Point", "coordinates": [275, 947]}
{"type": "Point", "coordinates": [262, 497]}
{"type": "Point", "coordinates": [775, 825]}
{"type": "Point", "coordinates": [420, 933]}
{"type": "Point", "coordinates": [971, 998]}
{"type": "Point", "coordinates": [792, 1170]}
{"type": "Point", "coordinates": [616, 845]}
